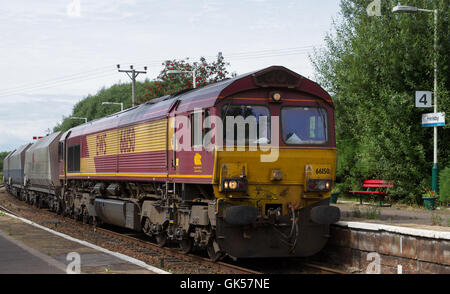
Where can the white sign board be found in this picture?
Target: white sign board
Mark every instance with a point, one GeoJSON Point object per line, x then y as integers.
{"type": "Point", "coordinates": [423, 99]}
{"type": "Point", "coordinates": [433, 119]}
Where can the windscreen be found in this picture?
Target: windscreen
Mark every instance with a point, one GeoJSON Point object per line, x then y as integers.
{"type": "Point", "coordinates": [304, 125]}
{"type": "Point", "coordinates": [260, 115]}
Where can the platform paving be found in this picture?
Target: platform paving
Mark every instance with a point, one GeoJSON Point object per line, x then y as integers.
{"type": "Point", "coordinates": [16, 258]}
{"type": "Point", "coordinates": [26, 249]}
{"type": "Point", "coordinates": [397, 215]}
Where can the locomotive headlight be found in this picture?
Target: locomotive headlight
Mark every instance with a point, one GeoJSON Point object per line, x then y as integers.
{"type": "Point", "coordinates": [276, 97]}
{"type": "Point", "coordinates": [235, 185]}
{"type": "Point", "coordinates": [316, 185]}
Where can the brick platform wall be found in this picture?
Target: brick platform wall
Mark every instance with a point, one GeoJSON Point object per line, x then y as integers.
{"type": "Point", "coordinates": [351, 248]}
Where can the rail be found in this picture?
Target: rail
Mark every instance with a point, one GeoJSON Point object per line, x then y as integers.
{"type": "Point", "coordinates": [167, 251]}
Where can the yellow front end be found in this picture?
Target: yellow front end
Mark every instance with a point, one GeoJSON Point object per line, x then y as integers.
{"type": "Point", "coordinates": [283, 182]}
{"type": "Point", "coordinates": [275, 214]}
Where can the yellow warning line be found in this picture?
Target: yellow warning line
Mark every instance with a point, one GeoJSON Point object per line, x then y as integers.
{"type": "Point", "coordinates": [138, 175]}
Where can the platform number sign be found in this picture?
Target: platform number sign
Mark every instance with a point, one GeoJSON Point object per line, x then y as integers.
{"type": "Point", "coordinates": [423, 99]}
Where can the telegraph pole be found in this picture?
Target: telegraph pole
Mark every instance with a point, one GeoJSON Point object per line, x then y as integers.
{"type": "Point", "coordinates": [132, 73]}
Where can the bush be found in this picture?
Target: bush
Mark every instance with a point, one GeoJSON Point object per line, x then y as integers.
{"type": "Point", "coordinates": [444, 184]}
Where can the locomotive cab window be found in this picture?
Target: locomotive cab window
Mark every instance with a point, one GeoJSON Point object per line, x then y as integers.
{"type": "Point", "coordinates": [304, 125]}
{"type": "Point", "coordinates": [73, 158]}
{"type": "Point", "coordinates": [198, 128]}
{"type": "Point", "coordinates": [256, 127]}
{"type": "Point", "coordinates": [61, 151]}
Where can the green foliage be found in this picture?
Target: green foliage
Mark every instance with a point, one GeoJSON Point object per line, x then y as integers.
{"type": "Point", "coordinates": [2, 157]}
{"type": "Point", "coordinates": [372, 66]}
{"type": "Point", "coordinates": [444, 185]}
{"type": "Point", "coordinates": [91, 107]}
{"type": "Point", "coordinates": [356, 212]}
{"type": "Point", "coordinates": [169, 83]}
{"type": "Point", "coordinates": [436, 220]}
{"type": "Point", "coordinates": [372, 212]}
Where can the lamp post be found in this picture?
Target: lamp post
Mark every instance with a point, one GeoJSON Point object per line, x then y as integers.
{"type": "Point", "coordinates": [194, 84]}
{"type": "Point", "coordinates": [74, 117]}
{"type": "Point", "coordinates": [412, 9]}
{"type": "Point", "coordinates": [114, 103]}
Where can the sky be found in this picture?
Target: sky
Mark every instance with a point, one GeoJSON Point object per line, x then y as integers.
{"type": "Point", "coordinates": [53, 53]}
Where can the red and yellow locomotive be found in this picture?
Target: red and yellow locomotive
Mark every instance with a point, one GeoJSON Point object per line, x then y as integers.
{"type": "Point", "coordinates": [261, 198]}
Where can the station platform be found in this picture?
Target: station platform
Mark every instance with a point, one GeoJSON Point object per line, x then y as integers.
{"type": "Point", "coordinates": [396, 215]}
{"type": "Point", "coordinates": [27, 249]}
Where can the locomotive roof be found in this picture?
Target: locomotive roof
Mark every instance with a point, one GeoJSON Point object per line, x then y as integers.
{"type": "Point", "coordinates": [205, 97]}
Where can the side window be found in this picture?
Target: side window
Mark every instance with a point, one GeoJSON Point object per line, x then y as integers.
{"type": "Point", "coordinates": [61, 151]}
{"type": "Point", "coordinates": [73, 158]}
{"type": "Point", "coordinates": [196, 128]}
{"type": "Point", "coordinates": [205, 129]}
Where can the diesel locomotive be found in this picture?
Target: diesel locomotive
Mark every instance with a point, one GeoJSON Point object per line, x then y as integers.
{"type": "Point", "coordinates": [261, 198]}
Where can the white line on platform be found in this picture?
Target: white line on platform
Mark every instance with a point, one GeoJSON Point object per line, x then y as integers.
{"type": "Point", "coordinates": [51, 261]}
{"type": "Point", "coordinates": [115, 254]}
{"type": "Point", "coordinates": [396, 229]}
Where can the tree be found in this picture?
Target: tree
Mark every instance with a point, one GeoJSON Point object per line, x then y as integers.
{"type": "Point", "coordinates": [206, 73]}
{"type": "Point", "coordinates": [372, 66]}
{"type": "Point", "coordinates": [2, 157]}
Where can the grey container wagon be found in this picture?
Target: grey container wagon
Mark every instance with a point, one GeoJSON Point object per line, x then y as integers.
{"type": "Point", "coordinates": [42, 171]}
{"type": "Point", "coordinates": [6, 168]}
{"type": "Point", "coordinates": [16, 170]}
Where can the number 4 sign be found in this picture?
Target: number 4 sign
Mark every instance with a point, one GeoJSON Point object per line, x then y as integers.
{"type": "Point", "coordinates": [423, 99]}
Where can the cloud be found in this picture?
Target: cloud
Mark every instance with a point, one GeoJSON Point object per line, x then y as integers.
{"type": "Point", "coordinates": [25, 116]}
{"type": "Point", "coordinates": [74, 9]}
{"type": "Point", "coordinates": [209, 9]}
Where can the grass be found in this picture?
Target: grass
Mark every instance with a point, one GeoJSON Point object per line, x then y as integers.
{"type": "Point", "coordinates": [1, 178]}
{"type": "Point", "coordinates": [356, 212]}
{"type": "Point", "coordinates": [369, 212]}
{"type": "Point", "coordinates": [372, 212]}
{"type": "Point", "coordinates": [436, 220]}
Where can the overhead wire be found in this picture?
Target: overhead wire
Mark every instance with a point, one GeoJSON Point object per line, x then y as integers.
{"type": "Point", "coordinates": [94, 74]}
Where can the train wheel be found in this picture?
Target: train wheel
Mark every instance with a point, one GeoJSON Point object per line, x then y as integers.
{"type": "Point", "coordinates": [213, 255]}
{"type": "Point", "coordinates": [146, 227]}
{"type": "Point", "coordinates": [186, 245]}
{"type": "Point", "coordinates": [85, 216]}
{"type": "Point", "coordinates": [58, 209]}
{"type": "Point", "coordinates": [161, 239]}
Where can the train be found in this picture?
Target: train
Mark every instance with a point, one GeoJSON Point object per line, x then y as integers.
{"type": "Point", "coordinates": [162, 168]}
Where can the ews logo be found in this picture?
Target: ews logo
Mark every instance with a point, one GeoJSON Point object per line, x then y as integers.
{"type": "Point", "coordinates": [127, 140]}
{"type": "Point", "coordinates": [101, 144]}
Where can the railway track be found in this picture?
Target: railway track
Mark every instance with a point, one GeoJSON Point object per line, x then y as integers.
{"type": "Point", "coordinates": [323, 269]}
{"type": "Point", "coordinates": [166, 257]}
{"type": "Point", "coordinates": [2, 208]}
{"type": "Point", "coordinates": [172, 252]}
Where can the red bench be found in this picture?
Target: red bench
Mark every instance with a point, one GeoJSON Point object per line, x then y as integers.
{"type": "Point", "coordinates": [374, 184]}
